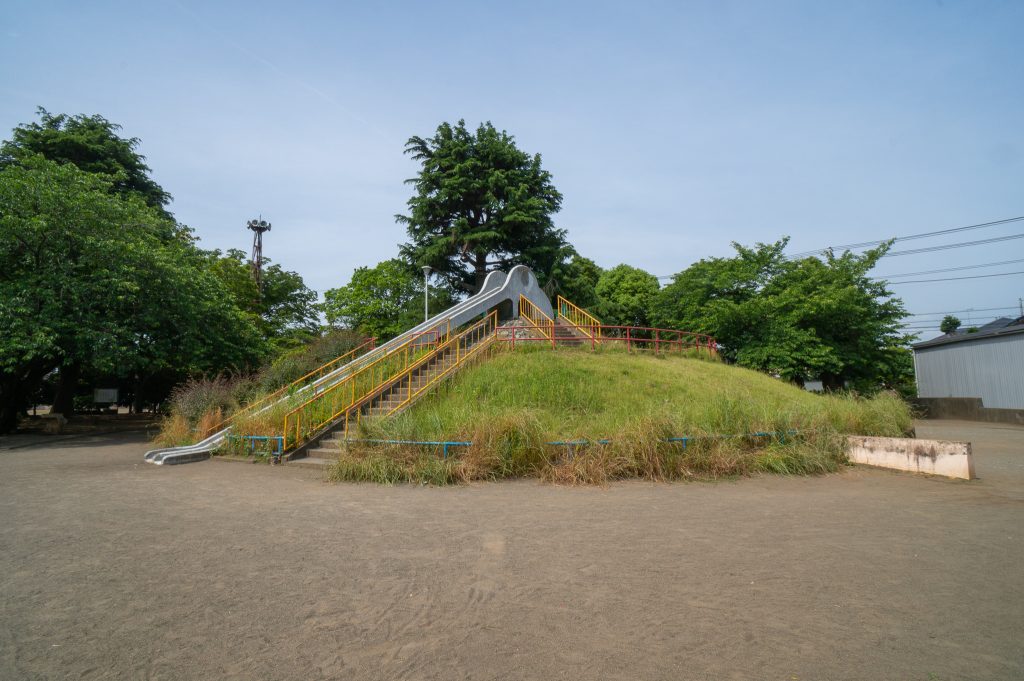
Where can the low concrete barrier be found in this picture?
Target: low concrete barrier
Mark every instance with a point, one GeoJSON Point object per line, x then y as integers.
{"type": "Point", "coordinates": [936, 457]}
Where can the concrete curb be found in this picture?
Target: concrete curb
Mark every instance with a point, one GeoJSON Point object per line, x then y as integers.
{"type": "Point", "coordinates": [934, 457]}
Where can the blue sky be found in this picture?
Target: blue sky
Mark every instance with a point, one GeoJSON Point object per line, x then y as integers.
{"type": "Point", "coordinates": [671, 128]}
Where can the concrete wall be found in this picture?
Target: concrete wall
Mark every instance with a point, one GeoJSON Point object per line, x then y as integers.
{"type": "Point", "coordinates": [936, 457]}
{"type": "Point", "coordinates": [991, 369]}
{"type": "Point", "coordinates": [967, 408]}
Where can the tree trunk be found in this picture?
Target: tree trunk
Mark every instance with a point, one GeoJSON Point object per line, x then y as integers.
{"type": "Point", "coordinates": [480, 270]}
{"type": "Point", "coordinates": [17, 393]}
{"type": "Point", "coordinates": [67, 384]}
{"type": "Point", "coordinates": [12, 403]}
{"type": "Point", "coordinates": [136, 406]}
{"type": "Point", "coordinates": [831, 382]}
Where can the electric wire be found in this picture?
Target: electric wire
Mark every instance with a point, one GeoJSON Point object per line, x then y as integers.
{"type": "Point", "coordinates": [922, 235]}
{"type": "Point", "coordinates": [949, 269]}
{"type": "Point", "coordinates": [976, 276]}
{"type": "Point", "coordinates": [946, 247]}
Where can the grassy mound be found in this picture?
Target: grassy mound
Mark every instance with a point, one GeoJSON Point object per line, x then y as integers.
{"type": "Point", "coordinates": [512, 406]}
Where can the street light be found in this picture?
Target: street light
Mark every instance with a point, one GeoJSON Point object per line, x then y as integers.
{"type": "Point", "coordinates": [426, 291]}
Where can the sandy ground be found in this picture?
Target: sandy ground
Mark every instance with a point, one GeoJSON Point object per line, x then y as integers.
{"type": "Point", "coordinates": [115, 569]}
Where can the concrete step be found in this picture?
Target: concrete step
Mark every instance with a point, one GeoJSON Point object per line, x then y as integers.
{"type": "Point", "coordinates": [311, 462]}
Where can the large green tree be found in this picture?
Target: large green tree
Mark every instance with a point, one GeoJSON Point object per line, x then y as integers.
{"type": "Point", "coordinates": [481, 203]}
{"type": "Point", "coordinates": [801, 319]}
{"type": "Point", "coordinates": [284, 311]}
{"type": "Point", "coordinates": [90, 143]}
{"type": "Point", "coordinates": [90, 280]}
{"type": "Point", "coordinates": [574, 278]}
{"type": "Point", "coordinates": [625, 295]}
{"type": "Point", "coordinates": [382, 301]}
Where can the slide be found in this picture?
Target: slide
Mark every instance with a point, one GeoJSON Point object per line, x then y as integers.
{"type": "Point", "coordinates": [500, 290]}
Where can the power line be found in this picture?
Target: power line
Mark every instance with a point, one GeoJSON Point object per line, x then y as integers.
{"type": "Point", "coordinates": [977, 276]}
{"type": "Point", "coordinates": [923, 235]}
{"type": "Point", "coordinates": [949, 269]}
{"type": "Point", "coordinates": [927, 249]}
{"type": "Point", "coordinates": [973, 309]}
{"type": "Point", "coordinates": [946, 247]}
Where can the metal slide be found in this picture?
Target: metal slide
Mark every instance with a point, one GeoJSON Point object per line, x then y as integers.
{"type": "Point", "coordinates": [499, 290]}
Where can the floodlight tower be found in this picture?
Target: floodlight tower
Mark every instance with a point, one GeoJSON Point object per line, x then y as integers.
{"type": "Point", "coordinates": [258, 226]}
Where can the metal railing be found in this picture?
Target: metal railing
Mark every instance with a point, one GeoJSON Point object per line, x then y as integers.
{"type": "Point", "coordinates": [461, 348]}
{"type": "Point", "coordinates": [344, 400]}
{"type": "Point", "coordinates": [330, 403]}
{"type": "Point", "coordinates": [316, 374]}
{"type": "Point", "coordinates": [578, 318]}
{"type": "Point", "coordinates": [633, 338]}
{"type": "Point", "coordinates": [536, 317]}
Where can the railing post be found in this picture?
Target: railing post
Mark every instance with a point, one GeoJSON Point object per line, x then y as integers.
{"type": "Point", "coordinates": [657, 341]}
{"type": "Point", "coordinates": [629, 343]}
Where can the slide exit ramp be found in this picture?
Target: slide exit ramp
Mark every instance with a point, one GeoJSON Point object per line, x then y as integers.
{"type": "Point", "coordinates": [501, 291]}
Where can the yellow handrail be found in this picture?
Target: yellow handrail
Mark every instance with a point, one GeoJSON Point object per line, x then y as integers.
{"type": "Point", "coordinates": [579, 318]}
{"type": "Point", "coordinates": [537, 318]}
{"type": "Point", "coordinates": [350, 393]}
{"type": "Point", "coordinates": [319, 372]}
{"type": "Point", "coordinates": [465, 345]}
{"type": "Point", "coordinates": [326, 405]}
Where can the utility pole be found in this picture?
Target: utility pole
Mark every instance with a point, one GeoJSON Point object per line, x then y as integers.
{"type": "Point", "coordinates": [258, 226]}
{"type": "Point", "coordinates": [426, 292]}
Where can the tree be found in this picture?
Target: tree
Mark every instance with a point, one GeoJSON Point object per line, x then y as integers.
{"type": "Point", "coordinates": [798, 319]}
{"type": "Point", "coordinates": [480, 204]}
{"type": "Point", "coordinates": [382, 301]}
{"type": "Point", "coordinates": [284, 311]}
{"type": "Point", "coordinates": [89, 281]}
{"type": "Point", "coordinates": [625, 295]}
{"type": "Point", "coordinates": [90, 143]}
{"type": "Point", "coordinates": [949, 324]}
{"type": "Point", "coordinates": [574, 278]}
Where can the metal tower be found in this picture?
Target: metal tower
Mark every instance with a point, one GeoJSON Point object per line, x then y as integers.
{"type": "Point", "coordinates": [258, 226]}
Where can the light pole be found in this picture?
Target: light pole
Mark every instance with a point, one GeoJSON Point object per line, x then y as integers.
{"type": "Point", "coordinates": [426, 292]}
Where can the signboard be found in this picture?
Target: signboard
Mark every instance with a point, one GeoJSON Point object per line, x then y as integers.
{"type": "Point", "coordinates": [104, 395]}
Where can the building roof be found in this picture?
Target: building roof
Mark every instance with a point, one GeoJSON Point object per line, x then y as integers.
{"type": "Point", "coordinates": [1004, 326]}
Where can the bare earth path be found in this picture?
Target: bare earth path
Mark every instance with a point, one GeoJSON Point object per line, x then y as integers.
{"type": "Point", "coordinates": [114, 569]}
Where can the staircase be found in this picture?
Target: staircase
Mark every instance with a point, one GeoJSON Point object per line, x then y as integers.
{"type": "Point", "coordinates": [397, 392]}
{"type": "Point", "coordinates": [567, 334]}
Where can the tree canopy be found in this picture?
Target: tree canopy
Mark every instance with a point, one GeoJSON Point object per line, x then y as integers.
{"type": "Point", "coordinates": [574, 278]}
{"type": "Point", "coordinates": [625, 295]}
{"type": "Point", "coordinates": [90, 143]}
{"type": "Point", "coordinates": [949, 324]}
{"type": "Point", "coordinates": [480, 204]}
{"type": "Point", "coordinates": [284, 311]}
{"type": "Point", "coordinates": [799, 319]}
{"type": "Point", "coordinates": [382, 301]}
{"type": "Point", "coordinates": [88, 279]}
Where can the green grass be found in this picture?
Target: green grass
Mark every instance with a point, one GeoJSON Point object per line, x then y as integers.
{"type": "Point", "coordinates": [513, 404]}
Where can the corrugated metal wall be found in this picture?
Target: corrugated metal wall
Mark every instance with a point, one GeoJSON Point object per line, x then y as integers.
{"type": "Point", "coordinates": [989, 368]}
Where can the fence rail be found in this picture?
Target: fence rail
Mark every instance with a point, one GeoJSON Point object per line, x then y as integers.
{"type": "Point", "coordinates": [316, 374]}
{"type": "Point", "coordinates": [345, 399]}
{"type": "Point", "coordinates": [580, 319]}
{"type": "Point", "coordinates": [537, 319]}
{"type": "Point", "coordinates": [632, 337]}
{"type": "Point", "coordinates": [327, 405]}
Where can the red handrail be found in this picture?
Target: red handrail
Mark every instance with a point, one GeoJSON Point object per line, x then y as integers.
{"type": "Point", "coordinates": [628, 334]}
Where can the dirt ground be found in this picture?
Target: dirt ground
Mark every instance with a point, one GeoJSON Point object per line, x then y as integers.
{"type": "Point", "coordinates": [111, 568]}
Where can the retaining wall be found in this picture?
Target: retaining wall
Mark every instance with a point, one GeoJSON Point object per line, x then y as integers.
{"type": "Point", "coordinates": [967, 408]}
{"type": "Point", "coordinates": [935, 457]}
